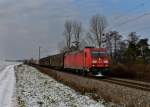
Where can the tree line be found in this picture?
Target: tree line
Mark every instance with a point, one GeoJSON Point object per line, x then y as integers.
{"type": "Point", "coordinates": [132, 49]}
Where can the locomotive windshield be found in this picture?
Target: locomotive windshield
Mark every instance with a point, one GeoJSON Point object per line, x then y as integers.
{"type": "Point", "coordinates": [98, 54]}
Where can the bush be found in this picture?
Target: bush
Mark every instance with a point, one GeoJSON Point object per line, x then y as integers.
{"type": "Point", "coordinates": [132, 71]}
{"type": "Point", "coordinates": [121, 70]}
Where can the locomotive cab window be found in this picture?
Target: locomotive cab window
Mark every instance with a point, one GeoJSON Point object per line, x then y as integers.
{"type": "Point", "coordinates": [97, 54]}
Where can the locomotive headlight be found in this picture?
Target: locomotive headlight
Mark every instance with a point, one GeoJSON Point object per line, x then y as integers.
{"type": "Point", "coordinates": [94, 61]}
{"type": "Point", "coordinates": [106, 61]}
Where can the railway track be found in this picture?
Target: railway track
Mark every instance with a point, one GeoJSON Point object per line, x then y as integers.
{"type": "Point", "coordinates": [129, 83]}
{"type": "Point", "coordinates": [124, 82]}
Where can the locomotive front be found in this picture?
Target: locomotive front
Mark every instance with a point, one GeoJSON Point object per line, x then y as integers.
{"type": "Point", "coordinates": [97, 61]}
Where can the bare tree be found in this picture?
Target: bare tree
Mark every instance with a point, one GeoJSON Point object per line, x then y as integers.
{"type": "Point", "coordinates": [98, 24]}
{"type": "Point", "coordinates": [133, 37]}
{"type": "Point", "coordinates": [109, 42]}
{"type": "Point", "coordinates": [62, 47]}
{"type": "Point", "coordinates": [76, 31]}
{"type": "Point", "coordinates": [68, 33]}
{"type": "Point", "coordinates": [116, 40]}
{"type": "Point", "coordinates": [90, 40]}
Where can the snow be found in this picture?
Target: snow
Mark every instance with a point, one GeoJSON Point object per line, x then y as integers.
{"type": "Point", "coordinates": [7, 84]}
{"type": "Point", "coordinates": [35, 89]}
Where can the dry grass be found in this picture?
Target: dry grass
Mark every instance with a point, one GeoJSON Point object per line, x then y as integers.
{"type": "Point", "coordinates": [132, 71]}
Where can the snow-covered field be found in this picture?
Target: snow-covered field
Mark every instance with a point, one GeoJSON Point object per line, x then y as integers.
{"type": "Point", "coordinates": [7, 84]}
{"type": "Point", "coordinates": [35, 89]}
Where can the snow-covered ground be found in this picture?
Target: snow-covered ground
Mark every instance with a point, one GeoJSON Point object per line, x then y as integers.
{"type": "Point", "coordinates": [7, 84]}
{"type": "Point", "coordinates": [35, 89]}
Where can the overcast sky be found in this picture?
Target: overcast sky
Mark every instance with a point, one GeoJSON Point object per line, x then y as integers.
{"type": "Point", "coordinates": [27, 24]}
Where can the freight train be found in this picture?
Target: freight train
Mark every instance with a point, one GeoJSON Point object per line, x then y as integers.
{"type": "Point", "coordinates": [89, 61]}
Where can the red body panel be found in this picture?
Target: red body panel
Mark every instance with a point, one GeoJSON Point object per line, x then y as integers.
{"type": "Point", "coordinates": [84, 60]}
{"type": "Point", "coordinates": [74, 60]}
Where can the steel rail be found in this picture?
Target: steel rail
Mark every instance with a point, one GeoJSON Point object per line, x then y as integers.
{"type": "Point", "coordinates": [128, 83]}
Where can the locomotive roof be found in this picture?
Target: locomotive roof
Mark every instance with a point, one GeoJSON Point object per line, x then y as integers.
{"type": "Point", "coordinates": [103, 49]}
{"type": "Point", "coordinates": [91, 48]}
{"type": "Point", "coordinates": [74, 52]}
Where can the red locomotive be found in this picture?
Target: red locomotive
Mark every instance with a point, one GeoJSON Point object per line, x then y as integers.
{"type": "Point", "coordinates": [93, 61]}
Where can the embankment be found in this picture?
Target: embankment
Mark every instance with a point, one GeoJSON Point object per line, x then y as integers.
{"type": "Point", "coordinates": [117, 94]}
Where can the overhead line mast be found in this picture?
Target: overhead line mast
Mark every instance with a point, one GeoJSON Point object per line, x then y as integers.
{"type": "Point", "coordinates": [39, 52]}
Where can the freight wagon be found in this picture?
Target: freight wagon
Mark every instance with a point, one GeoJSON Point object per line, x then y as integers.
{"type": "Point", "coordinates": [44, 61]}
{"type": "Point", "coordinates": [55, 61]}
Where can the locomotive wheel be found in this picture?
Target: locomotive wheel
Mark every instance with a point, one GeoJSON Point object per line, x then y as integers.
{"type": "Point", "coordinates": [84, 73]}
{"type": "Point", "coordinates": [79, 72]}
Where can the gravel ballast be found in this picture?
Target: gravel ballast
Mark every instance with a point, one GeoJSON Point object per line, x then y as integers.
{"type": "Point", "coordinates": [34, 89]}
